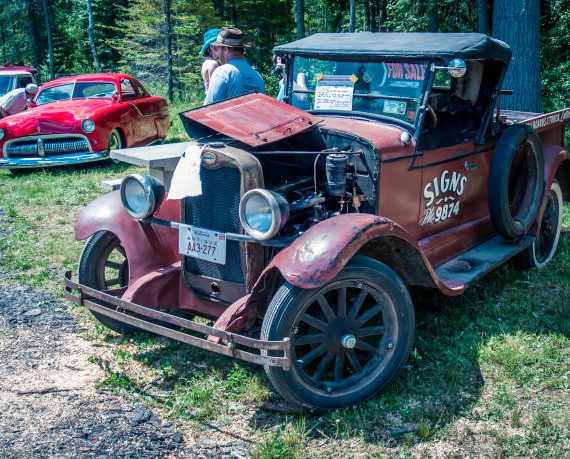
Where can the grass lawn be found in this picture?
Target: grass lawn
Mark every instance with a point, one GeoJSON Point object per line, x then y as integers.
{"type": "Point", "coordinates": [489, 374]}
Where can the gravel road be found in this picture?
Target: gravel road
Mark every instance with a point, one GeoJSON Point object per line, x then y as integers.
{"type": "Point", "coordinates": [48, 398]}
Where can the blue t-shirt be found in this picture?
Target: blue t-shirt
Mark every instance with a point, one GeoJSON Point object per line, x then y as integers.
{"type": "Point", "coordinates": [234, 78]}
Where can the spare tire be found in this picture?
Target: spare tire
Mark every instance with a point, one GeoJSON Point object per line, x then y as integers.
{"type": "Point", "coordinates": [516, 181]}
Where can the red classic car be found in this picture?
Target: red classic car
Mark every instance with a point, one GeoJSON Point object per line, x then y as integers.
{"type": "Point", "coordinates": [79, 119]}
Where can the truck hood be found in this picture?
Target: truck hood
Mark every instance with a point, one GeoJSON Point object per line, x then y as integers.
{"type": "Point", "coordinates": [258, 120]}
{"type": "Point", "coordinates": [53, 118]}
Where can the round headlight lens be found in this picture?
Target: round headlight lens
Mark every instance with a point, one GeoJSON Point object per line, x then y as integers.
{"type": "Point", "coordinates": [141, 195]}
{"type": "Point", "coordinates": [1, 133]}
{"type": "Point", "coordinates": [88, 126]}
{"type": "Point", "coordinates": [263, 213]}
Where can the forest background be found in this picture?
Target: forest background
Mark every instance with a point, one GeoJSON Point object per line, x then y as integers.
{"type": "Point", "coordinates": [158, 40]}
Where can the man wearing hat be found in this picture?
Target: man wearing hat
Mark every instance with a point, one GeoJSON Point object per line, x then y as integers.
{"type": "Point", "coordinates": [210, 64]}
{"type": "Point", "coordinates": [16, 100]}
{"type": "Point", "coordinates": [234, 76]}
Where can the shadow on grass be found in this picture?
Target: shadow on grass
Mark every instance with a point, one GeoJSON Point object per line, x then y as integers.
{"type": "Point", "coordinates": [441, 381]}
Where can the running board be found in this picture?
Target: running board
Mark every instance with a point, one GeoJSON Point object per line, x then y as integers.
{"type": "Point", "coordinates": [462, 271]}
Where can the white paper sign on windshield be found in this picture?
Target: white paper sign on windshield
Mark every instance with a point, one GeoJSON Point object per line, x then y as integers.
{"type": "Point", "coordinates": [334, 92]}
{"type": "Point", "coordinates": [186, 177]}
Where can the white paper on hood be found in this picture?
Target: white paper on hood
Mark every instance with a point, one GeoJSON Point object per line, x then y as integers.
{"type": "Point", "coordinates": [186, 177]}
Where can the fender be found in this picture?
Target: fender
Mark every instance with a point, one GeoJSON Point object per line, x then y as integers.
{"type": "Point", "coordinates": [148, 246]}
{"type": "Point", "coordinates": [555, 157]}
{"type": "Point", "coordinates": [317, 256]}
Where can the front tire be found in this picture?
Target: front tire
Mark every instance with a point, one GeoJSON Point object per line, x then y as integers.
{"type": "Point", "coordinates": [115, 143]}
{"type": "Point", "coordinates": [104, 266]}
{"type": "Point", "coordinates": [349, 338]}
{"type": "Point", "coordinates": [544, 246]}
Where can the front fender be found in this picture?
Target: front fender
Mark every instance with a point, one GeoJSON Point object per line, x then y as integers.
{"type": "Point", "coordinates": [319, 255]}
{"type": "Point", "coordinates": [147, 246]}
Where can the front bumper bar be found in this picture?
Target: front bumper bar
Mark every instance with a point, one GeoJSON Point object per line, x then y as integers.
{"type": "Point", "coordinates": [143, 317]}
{"type": "Point", "coordinates": [68, 159]}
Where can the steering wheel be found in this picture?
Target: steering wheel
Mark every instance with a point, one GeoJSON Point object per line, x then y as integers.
{"type": "Point", "coordinates": [432, 123]}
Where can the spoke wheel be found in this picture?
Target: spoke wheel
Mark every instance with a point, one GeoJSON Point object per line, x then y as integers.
{"type": "Point", "coordinates": [349, 338]}
{"type": "Point", "coordinates": [104, 266]}
{"type": "Point", "coordinates": [544, 247]}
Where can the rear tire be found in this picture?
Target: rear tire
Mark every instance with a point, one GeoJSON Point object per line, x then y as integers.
{"type": "Point", "coordinates": [104, 266]}
{"type": "Point", "coordinates": [349, 338]}
{"type": "Point", "coordinates": [543, 249]}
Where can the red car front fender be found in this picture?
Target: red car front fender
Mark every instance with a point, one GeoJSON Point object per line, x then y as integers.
{"type": "Point", "coordinates": [147, 246]}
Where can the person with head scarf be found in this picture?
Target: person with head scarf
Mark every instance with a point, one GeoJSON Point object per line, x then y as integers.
{"type": "Point", "coordinates": [210, 64]}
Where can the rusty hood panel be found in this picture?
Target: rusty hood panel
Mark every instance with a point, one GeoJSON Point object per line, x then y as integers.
{"type": "Point", "coordinates": [254, 119]}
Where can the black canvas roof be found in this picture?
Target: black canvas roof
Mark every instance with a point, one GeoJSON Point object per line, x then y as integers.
{"type": "Point", "coordinates": [415, 45]}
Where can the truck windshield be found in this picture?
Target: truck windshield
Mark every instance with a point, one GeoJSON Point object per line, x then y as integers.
{"type": "Point", "coordinates": [385, 89]}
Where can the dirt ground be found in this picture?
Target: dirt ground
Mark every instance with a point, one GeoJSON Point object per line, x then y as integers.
{"type": "Point", "coordinates": [49, 401]}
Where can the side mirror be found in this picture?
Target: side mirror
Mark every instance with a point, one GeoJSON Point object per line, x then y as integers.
{"type": "Point", "coordinates": [31, 103]}
{"type": "Point", "coordinates": [115, 96]}
{"type": "Point", "coordinates": [456, 68]}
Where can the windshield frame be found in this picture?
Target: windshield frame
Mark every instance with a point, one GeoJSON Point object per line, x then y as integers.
{"type": "Point", "coordinates": [423, 90]}
{"type": "Point", "coordinates": [72, 92]}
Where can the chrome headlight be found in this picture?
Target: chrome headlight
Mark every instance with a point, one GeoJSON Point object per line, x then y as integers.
{"type": "Point", "coordinates": [1, 133]}
{"type": "Point", "coordinates": [141, 195]}
{"type": "Point", "coordinates": [88, 126]}
{"type": "Point", "coordinates": [263, 213]}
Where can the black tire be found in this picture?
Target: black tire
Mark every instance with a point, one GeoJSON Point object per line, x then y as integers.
{"type": "Point", "coordinates": [104, 266]}
{"type": "Point", "coordinates": [326, 372]}
{"type": "Point", "coordinates": [544, 247]}
{"type": "Point", "coordinates": [115, 143]}
{"type": "Point", "coordinates": [516, 181]}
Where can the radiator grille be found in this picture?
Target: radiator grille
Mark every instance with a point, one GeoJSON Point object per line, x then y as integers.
{"type": "Point", "coordinates": [46, 146]}
{"type": "Point", "coordinates": [217, 209]}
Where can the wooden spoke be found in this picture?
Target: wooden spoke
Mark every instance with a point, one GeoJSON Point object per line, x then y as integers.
{"type": "Point", "coordinates": [367, 348]}
{"type": "Point", "coordinates": [341, 304]}
{"type": "Point", "coordinates": [113, 265]}
{"type": "Point", "coordinates": [326, 308]}
{"type": "Point", "coordinates": [111, 282]}
{"type": "Point", "coordinates": [357, 304]}
{"type": "Point", "coordinates": [371, 331]}
{"type": "Point", "coordinates": [369, 314]}
{"type": "Point", "coordinates": [339, 367]}
{"type": "Point", "coordinates": [314, 322]}
{"type": "Point", "coordinates": [353, 359]}
{"type": "Point", "coordinates": [323, 365]}
{"type": "Point", "coordinates": [310, 356]}
{"type": "Point", "coordinates": [308, 339]}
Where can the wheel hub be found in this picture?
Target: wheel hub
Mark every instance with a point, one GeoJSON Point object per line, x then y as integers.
{"type": "Point", "coordinates": [348, 341]}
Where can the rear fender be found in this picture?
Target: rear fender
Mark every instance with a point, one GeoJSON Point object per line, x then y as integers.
{"type": "Point", "coordinates": [147, 246]}
{"type": "Point", "coordinates": [556, 167]}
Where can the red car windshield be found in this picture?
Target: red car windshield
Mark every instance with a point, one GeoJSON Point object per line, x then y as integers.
{"type": "Point", "coordinates": [78, 90]}
{"type": "Point", "coordinates": [384, 89]}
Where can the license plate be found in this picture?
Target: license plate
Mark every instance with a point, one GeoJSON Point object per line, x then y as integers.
{"type": "Point", "coordinates": [202, 243]}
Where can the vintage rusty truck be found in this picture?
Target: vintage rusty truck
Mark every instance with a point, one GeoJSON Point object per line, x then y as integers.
{"type": "Point", "coordinates": [310, 227]}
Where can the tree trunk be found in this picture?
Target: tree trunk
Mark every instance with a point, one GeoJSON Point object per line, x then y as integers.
{"type": "Point", "coordinates": [352, 15]}
{"type": "Point", "coordinates": [432, 16]}
{"type": "Point", "coordinates": [300, 15]}
{"type": "Point", "coordinates": [483, 16]}
{"type": "Point", "coordinates": [517, 22]}
{"type": "Point", "coordinates": [50, 44]}
{"type": "Point", "coordinates": [91, 34]}
{"type": "Point", "coordinates": [33, 33]}
{"type": "Point", "coordinates": [168, 45]}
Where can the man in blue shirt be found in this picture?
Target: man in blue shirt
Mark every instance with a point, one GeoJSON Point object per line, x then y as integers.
{"type": "Point", "coordinates": [234, 76]}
